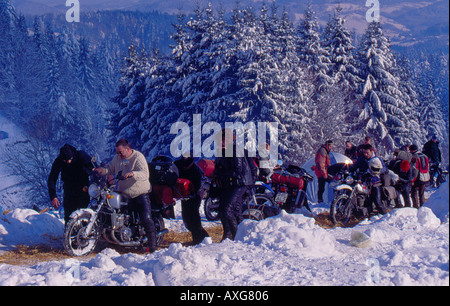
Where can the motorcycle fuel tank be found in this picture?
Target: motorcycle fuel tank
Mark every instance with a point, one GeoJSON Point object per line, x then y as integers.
{"type": "Point", "coordinates": [117, 200]}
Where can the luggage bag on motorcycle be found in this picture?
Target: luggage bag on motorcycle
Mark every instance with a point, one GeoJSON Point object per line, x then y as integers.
{"type": "Point", "coordinates": [207, 166]}
{"type": "Point", "coordinates": [163, 171]}
{"type": "Point", "coordinates": [183, 188]}
{"type": "Point", "coordinates": [291, 181]}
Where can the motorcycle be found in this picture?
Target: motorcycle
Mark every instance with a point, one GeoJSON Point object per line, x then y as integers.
{"type": "Point", "coordinates": [288, 187]}
{"type": "Point", "coordinates": [110, 217]}
{"type": "Point", "coordinates": [440, 175]}
{"type": "Point", "coordinates": [350, 195]}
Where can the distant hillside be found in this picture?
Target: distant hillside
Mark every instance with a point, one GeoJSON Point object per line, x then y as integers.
{"type": "Point", "coordinates": [407, 22]}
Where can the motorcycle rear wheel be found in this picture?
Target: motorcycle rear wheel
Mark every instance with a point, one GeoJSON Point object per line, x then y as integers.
{"type": "Point", "coordinates": [75, 242]}
{"type": "Point", "coordinates": [211, 208]}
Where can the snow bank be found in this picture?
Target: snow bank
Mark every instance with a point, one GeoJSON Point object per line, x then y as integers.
{"type": "Point", "coordinates": [439, 202]}
{"type": "Point", "coordinates": [289, 233]}
{"type": "Point", "coordinates": [27, 226]}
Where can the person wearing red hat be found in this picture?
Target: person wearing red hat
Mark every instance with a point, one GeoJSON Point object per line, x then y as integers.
{"type": "Point", "coordinates": [406, 173]}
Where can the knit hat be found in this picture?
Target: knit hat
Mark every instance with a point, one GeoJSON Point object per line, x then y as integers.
{"type": "Point", "coordinates": [66, 152]}
{"type": "Point", "coordinates": [404, 166]}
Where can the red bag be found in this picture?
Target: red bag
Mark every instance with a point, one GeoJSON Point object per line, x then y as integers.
{"type": "Point", "coordinates": [163, 194]}
{"type": "Point", "coordinates": [183, 188]}
{"type": "Point", "coordinates": [207, 167]}
{"type": "Point", "coordinates": [289, 180]}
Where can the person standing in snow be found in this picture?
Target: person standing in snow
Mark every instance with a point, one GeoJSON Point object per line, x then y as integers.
{"type": "Point", "coordinates": [322, 160]}
{"type": "Point", "coordinates": [75, 167]}
{"type": "Point", "coordinates": [187, 169]}
{"type": "Point", "coordinates": [431, 149]}
{"type": "Point", "coordinates": [234, 175]}
{"type": "Point", "coordinates": [369, 163]}
{"type": "Point", "coordinates": [406, 175]}
{"type": "Point", "coordinates": [418, 186]}
{"type": "Point", "coordinates": [133, 167]}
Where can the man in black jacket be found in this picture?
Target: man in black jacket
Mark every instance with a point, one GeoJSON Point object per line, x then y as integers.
{"type": "Point", "coordinates": [74, 167]}
{"type": "Point", "coordinates": [431, 149]}
{"type": "Point", "coordinates": [190, 208]}
{"type": "Point", "coordinates": [234, 175]}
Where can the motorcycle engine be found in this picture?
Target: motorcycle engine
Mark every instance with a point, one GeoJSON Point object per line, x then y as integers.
{"type": "Point", "coordinates": [125, 234]}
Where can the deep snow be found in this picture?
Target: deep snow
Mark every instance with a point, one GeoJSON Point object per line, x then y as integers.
{"type": "Point", "coordinates": [406, 247]}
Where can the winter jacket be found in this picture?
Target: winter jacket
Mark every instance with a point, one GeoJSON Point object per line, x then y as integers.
{"type": "Point", "coordinates": [405, 178]}
{"type": "Point", "coordinates": [322, 161]}
{"type": "Point", "coordinates": [133, 186]}
{"type": "Point", "coordinates": [236, 171]}
{"type": "Point", "coordinates": [431, 149]}
{"type": "Point", "coordinates": [193, 173]}
{"type": "Point", "coordinates": [74, 175]}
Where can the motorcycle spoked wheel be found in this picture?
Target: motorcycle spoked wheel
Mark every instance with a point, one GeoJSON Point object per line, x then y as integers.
{"type": "Point", "coordinates": [159, 226]}
{"type": "Point", "coordinates": [254, 211]}
{"type": "Point", "coordinates": [253, 214]}
{"type": "Point", "coordinates": [75, 243]}
{"type": "Point", "coordinates": [339, 209]}
{"type": "Point", "coordinates": [211, 208]}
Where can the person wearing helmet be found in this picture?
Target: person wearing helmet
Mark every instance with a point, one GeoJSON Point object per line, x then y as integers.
{"type": "Point", "coordinates": [374, 168]}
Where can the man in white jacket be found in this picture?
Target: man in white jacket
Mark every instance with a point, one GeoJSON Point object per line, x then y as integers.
{"type": "Point", "coordinates": [135, 183]}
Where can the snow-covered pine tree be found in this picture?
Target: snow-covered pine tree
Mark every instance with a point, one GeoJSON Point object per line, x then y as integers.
{"type": "Point", "coordinates": [339, 46]}
{"type": "Point", "coordinates": [382, 113]}
{"type": "Point", "coordinates": [311, 52]}
{"type": "Point", "coordinates": [160, 107]}
{"type": "Point", "coordinates": [294, 94]}
{"type": "Point", "coordinates": [9, 99]}
{"type": "Point", "coordinates": [431, 115]}
{"type": "Point", "coordinates": [128, 105]}
{"type": "Point", "coordinates": [417, 131]}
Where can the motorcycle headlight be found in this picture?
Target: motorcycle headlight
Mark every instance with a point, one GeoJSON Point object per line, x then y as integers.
{"type": "Point", "coordinates": [349, 180]}
{"type": "Point", "coordinates": [94, 191]}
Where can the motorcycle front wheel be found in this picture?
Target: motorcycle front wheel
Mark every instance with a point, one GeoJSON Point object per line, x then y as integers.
{"type": "Point", "coordinates": [340, 209]}
{"type": "Point", "coordinates": [76, 243]}
{"type": "Point", "coordinates": [255, 211]}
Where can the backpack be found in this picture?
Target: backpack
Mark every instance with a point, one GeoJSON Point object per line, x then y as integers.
{"type": "Point", "coordinates": [423, 165]}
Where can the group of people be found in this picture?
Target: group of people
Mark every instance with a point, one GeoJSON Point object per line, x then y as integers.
{"type": "Point", "coordinates": [413, 171]}
{"type": "Point", "coordinates": [232, 174]}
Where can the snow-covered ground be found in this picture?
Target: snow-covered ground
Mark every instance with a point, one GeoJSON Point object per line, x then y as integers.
{"type": "Point", "coordinates": [406, 247]}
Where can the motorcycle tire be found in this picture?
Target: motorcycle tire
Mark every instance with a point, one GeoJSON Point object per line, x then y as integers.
{"type": "Point", "coordinates": [255, 211]}
{"type": "Point", "coordinates": [340, 210]}
{"type": "Point", "coordinates": [160, 229]}
{"type": "Point", "coordinates": [74, 242]}
{"type": "Point", "coordinates": [441, 178]}
{"type": "Point", "coordinates": [253, 214]}
{"type": "Point", "coordinates": [211, 209]}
